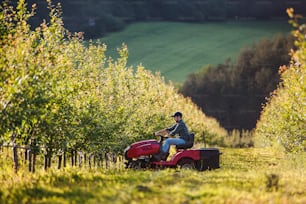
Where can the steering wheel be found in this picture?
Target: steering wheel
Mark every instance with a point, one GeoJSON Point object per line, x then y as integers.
{"type": "Point", "coordinates": [162, 137]}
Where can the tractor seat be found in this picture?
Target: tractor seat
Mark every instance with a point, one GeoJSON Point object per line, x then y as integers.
{"type": "Point", "coordinates": [188, 144]}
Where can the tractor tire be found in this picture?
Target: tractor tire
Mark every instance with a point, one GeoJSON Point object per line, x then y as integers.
{"type": "Point", "coordinates": [186, 164]}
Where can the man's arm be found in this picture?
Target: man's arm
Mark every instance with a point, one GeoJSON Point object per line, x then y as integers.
{"type": "Point", "coordinates": [162, 132]}
{"type": "Point", "coordinates": [166, 130]}
{"type": "Point", "coordinates": [177, 128]}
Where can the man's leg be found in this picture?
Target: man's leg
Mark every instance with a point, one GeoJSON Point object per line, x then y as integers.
{"type": "Point", "coordinates": [172, 141]}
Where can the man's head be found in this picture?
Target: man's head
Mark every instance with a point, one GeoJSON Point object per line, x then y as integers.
{"type": "Point", "coordinates": [177, 116]}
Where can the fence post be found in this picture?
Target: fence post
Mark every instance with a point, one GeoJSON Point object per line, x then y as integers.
{"type": "Point", "coordinates": [35, 149]}
{"type": "Point", "coordinates": [15, 157]}
{"type": "Point", "coordinates": [203, 138]}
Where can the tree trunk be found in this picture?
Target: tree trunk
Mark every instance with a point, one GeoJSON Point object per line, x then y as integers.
{"type": "Point", "coordinates": [80, 160]}
{"type": "Point", "coordinates": [65, 159]}
{"type": "Point", "coordinates": [72, 158]}
{"type": "Point", "coordinates": [45, 163]}
{"type": "Point", "coordinates": [34, 162]}
{"type": "Point", "coordinates": [30, 160]}
{"type": "Point", "coordinates": [107, 160]}
{"type": "Point", "coordinates": [85, 159]}
{"type": "Point", "coordinates": [75, 157]}
{"type": "Point", "coordinates": [26, 155]}
{"type": "Point", "coordinates": [60, 157]}
{"type": "Point", "coordinates": [49, 160]}
{"type": "Point", "coordinates": [15, 152]}
{"type": "Point", "coordinates": [89, 160]}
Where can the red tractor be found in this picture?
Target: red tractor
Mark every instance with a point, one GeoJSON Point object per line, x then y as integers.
{"type": "Point", "coordinates": [141, 155]}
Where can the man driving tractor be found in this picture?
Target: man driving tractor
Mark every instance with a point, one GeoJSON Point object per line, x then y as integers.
{"type": "Point", "coordinates": [179, 128]}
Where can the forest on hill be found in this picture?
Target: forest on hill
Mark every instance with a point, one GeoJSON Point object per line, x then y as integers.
{"type": "Point", "coordinates": [233, 92]}
{"type": "Point", "coordinates": [96, 18]}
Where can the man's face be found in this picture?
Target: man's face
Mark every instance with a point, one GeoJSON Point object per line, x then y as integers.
{"type": "Point", "coordinates": [177, 118]}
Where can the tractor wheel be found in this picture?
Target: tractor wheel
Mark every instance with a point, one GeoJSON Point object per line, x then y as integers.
{"type": "Point", "coordinates": [134, 165]}
{"type": "Point", "coordinates": [186, 164]}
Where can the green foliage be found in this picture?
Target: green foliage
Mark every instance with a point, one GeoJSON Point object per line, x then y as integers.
{"type": "Point", "coordinates": [233, 92]}
{"type": "Point", "coordinates": [246, 176]}
{"type": "Point", "coordinates": [283, 122]}
{"type": "Point", "coordinates": [65, 95]}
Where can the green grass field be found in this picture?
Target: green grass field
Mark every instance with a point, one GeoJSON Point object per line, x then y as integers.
{"type": "Point", "coordinates": [246, 176]}
{"type": "Point", "coordinates": [178, 49]}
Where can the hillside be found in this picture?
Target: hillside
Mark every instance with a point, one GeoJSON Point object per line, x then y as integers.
{"type": "Point", "coordinates": [178, 49]}
{"type": "Point", "coordinates": [96, 18]}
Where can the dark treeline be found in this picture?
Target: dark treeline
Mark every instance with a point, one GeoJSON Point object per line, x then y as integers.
{"type": "Point", "coordinates": [233, 93]}
{"type": "Point", "coordinates": [97, 17]}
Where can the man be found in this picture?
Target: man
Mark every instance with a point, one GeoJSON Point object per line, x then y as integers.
{"type": "Point", "coordinates": [179, 128]}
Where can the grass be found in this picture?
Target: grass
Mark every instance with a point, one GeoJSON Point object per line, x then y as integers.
{"type": "Point", "coordinates": [246, 176]}
{"type": "Point", "coordinates": [178, 49]}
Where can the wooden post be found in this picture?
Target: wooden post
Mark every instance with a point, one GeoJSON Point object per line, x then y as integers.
{"type": "Point", "coordinates": [203, 138]}
{"type": "Point", "coordinates": [15, 157]}
{"type": "Point", "coordinates": [34, 151]}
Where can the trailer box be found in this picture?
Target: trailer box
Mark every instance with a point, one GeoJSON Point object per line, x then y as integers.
{"type": "Point", "coordinates": [209, 159]}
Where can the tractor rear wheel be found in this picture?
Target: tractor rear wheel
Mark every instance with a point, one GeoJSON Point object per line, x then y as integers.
{"type": "Point", "coordinates": [186, 164]}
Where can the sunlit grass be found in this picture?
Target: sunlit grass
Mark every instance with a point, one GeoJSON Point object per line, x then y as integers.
{"type": "Point", "coordinates": [242, 178]}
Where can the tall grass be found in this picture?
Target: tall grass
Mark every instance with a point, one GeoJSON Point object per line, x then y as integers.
{"type": "Point", "coordinates": [246, 176]}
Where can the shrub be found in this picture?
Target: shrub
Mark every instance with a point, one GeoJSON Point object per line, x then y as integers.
{"type": "Point", "coordinates": [283, 122]}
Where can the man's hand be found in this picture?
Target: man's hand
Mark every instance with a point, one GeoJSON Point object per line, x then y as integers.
{"type": "Point", "coordinates": [161, 132]}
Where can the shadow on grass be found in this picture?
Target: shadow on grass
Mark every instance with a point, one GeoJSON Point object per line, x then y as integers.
{"type": "Point", "coordinates": [39, 194]}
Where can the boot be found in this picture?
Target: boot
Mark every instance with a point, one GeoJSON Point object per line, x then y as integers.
{"type": "Point", "coordinates": [164, 156]}
{"type": "Point", "coordinates": [161, 156]}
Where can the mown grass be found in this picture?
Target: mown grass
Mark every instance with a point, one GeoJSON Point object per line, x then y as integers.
{"type": "Point", "coordinates": [178, 49]}
{"type": "Point", "coordinates": [244, 177]}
